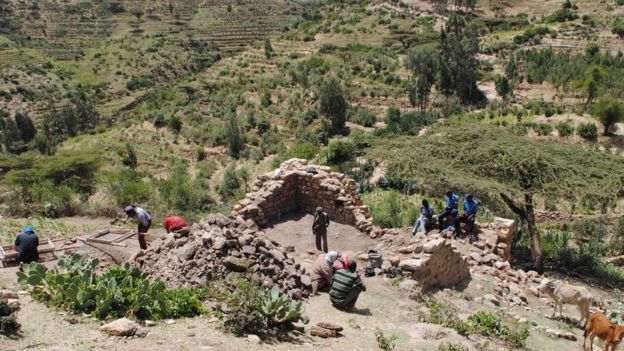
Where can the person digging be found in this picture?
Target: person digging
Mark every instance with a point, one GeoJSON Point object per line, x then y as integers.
{"type": "Point", "coordinates": [319, 228]}
{"type": "Point", "coordinates": [143, 219]}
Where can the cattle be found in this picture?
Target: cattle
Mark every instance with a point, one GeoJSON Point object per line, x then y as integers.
{"type": "Point", "coordinates": [562, 293]}
{"type": "Point", "coordinates": [599, 325]}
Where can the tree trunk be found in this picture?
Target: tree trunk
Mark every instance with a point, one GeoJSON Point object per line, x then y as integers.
{"type": "Point", "coordinates": [606, 129]}
{"type": "Point", "coordinates": [528, 214]}
{"type": "Point", "coordinates": [536, 246]}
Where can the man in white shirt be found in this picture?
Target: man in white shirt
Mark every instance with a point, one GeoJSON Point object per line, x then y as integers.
{"type": "Point", "coordinates": [143, 219]}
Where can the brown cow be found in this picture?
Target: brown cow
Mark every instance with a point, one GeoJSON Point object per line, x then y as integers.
{"type": "Point", "coordinates": [599, 325]}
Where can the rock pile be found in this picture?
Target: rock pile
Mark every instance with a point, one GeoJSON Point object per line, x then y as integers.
{"type": "Point", "coordinates": [218, 245]}
{"type": "Point", "coordinates": [296, 185]}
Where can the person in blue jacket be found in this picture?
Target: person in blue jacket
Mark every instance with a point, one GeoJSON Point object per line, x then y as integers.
{"type": "Point", "coordinates": [451, 209]}
{"type": "Point", "coordinates": [470, 214]}
{"type": "Point", "coordinates": [26, 244]}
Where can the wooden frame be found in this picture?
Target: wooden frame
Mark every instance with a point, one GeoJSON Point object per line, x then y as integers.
{"type": "Point", "coordinates": [8, 253]}
{"type": "Point", "coordinates": [95, 238]}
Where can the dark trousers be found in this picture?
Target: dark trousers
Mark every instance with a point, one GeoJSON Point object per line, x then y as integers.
{"type": "Point", "coordinates": [469, 220]}
{"type": "Point", "coordinates": [321, 235]}
{"type": "Point", "coordinates": [142, 231]}
{"type": "Point", "coordinates": [348, 302]}
{"type": "Point", "coordinates": [447, 212]}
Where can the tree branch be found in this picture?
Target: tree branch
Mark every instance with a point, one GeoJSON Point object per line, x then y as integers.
{"type": "Point", "coordinates": [512, 205]}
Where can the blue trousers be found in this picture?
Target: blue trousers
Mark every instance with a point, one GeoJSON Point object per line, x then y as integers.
{"type": "Point", "coordinates": [447, 212]}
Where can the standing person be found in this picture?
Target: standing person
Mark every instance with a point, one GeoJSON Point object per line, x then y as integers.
{"type": "Point", "coordinates": [319, 228]}
{"type": "Point", "coordinates": [175, 224]}
{"type": "Point", "coordinates": [451, 209]}
{"type": "Point", "coordinates": [469, 216]}
{"type": "Point", "coordinates": [143, 219]}
{"type": "Point", "coordinates": [26, 244]}
{"type": "Point", "coordinates": [321, 272]}
{"type": "Point", "coordinates": [423, 223]}
{"type": "Point", "coordinates": [346, 288]}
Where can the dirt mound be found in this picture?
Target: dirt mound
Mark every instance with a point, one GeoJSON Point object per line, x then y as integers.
{"type": "Point", "coordinates": [219, 245]}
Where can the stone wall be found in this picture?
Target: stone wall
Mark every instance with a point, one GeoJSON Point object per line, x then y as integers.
{"type": "Point", "coordinates": [432, 262]}
{"type": "Point", "coordinates": [295, 187]}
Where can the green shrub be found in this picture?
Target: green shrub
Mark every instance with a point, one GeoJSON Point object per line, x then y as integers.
{"type": "Point", "coordinates": [491, 325]}
{"type": "Point", "coordinates": [302, 150]}
{"type": "Point", "coordinates": [565, 129]}
{"type": "Point", "coordinates": [618, 28]}
{"type": "Point", "coordinates": [587, 131]}
{"type": "Point", "coordinates": [183, 193]}
{"type": "Point", "coordinates": [543, 129]}
{"type": "Point", "coordinates": [362, 117]}
{"type": "Point", "coordinates": [255, 310]}
{"type": "Point", "coordinates": [385, 342]}
{"type": "Point", "coordinates": [125, 186]}
{"type": "Point", "coordinates": [233, 185]}
{"type": "Point", "coordinates": [340, 151]}
{"type": "Point", "coordinates": [120, 291]}
{"type": "Point", "coordinates": [391, 209]}
{"type": "Point", "coordinates": [451, 347]}
{"type": "Point", "coordinates": [137, 82]}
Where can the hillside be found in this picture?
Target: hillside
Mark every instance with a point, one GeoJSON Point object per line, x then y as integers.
{"type": "Point", "coordinates": [177, 106]}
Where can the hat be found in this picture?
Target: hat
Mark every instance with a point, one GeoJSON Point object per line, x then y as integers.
{"type": "Point", "coordinates": [28, 229]}
{"type": "Point", "coordinates": [319, 209]}
{"type": "Point", "coordinates": [130, 208]}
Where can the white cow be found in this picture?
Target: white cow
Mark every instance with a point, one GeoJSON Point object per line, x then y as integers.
{"type": "Point", "coordinates": [562, 293]}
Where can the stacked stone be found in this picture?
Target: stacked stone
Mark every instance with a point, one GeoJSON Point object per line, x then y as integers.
{"type": "Point", "coordinates": [219, 245]}
{"type": "Point", "coordinates": [499, 242]}
{"type": "Point", "coordinates": [291, 188]}
{"type": "Point", "coordinates": [434, 263]}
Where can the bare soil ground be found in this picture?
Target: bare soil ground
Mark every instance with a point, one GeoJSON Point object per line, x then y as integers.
{"type": "Point", "coordinates": [383, 306]}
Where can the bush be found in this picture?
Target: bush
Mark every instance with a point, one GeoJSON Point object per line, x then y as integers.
{"type": "Point", "coordinates": [543, 129]}
{"type": "Point", "coordinates": [618, 28]}
{"type": "Point", "coordinates": [451, 347]}
{"type": "Point", "coordinates": [362, 117]}
{"type": "Point", "coordinates": [120, 291]}
{"type": "Point", "coordinates": [340, 151]}
{"type": "Point", "coordinates": [587, 131]}
{"type": "Point", "coordinates": [565, 129]}
{"type": "Point", "coordinates": [137, 82]}
{"type": "Point", "coordinates": [183, 193]}
{"type": "Point", "coordinates": [125, 187]}
{"type": "Point", "coordinates": [254, 310]}
{"type": "Point", "coordinates": [233, 184]}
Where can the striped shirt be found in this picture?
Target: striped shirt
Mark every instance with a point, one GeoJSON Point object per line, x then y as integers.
{"type": "Point", "coordinates": [344, 282]}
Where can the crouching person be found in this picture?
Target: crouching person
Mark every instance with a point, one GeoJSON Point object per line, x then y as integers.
{"type": "Point", "coordinates": [27, 246]}
{"type": "Point", "coordinates": [176, 225]}
{"type": "Point", "coordinates": [346, 288]}
{"type": "Point", "coordinates": [322, 272]}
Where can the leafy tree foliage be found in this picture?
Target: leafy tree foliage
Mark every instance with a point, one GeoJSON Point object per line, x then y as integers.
{"type": "Point", "coordinates": [26, 127]}
{"type": "Point", "coordinates": [268, 49]}
{"type": "Point", "coordinates": [458, 64]}
{"type": "Point", "coordinates": [609, 111]}
{"type": "Point", "coordinates": [235, 138]}
{"type": "Point", "coordinates": [332, 103]}
{"type": "Point", "coordinates": [423, 65]}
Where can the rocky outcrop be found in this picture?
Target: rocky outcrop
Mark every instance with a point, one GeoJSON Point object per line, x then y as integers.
{"type": "Point", "coordinates": [299, 186]}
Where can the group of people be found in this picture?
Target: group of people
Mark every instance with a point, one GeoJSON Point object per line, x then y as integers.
{"type": "Point", "coordinates": [338, 273]}
{"type": "Point", "coordinates": [27, 243]}
{"type": "Point", "coordinates": [424, 223]}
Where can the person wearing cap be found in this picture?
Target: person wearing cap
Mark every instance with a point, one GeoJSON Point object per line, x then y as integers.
{"type": "Point", "coordinates": [452, 203]}
{"type": "Point", "coordinates": [26, 244]}
{"type": "Point", "coordinates": [470, 214]}
{"type": "Point", "coordinates": [143, 219]}
{"type": "Point", "coordinates": [319, 228]}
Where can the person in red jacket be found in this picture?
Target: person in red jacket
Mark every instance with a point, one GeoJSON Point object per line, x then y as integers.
{"type": "Point", "coordinates": [174, 224]}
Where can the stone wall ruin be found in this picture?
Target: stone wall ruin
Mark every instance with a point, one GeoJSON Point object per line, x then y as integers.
{"type": "Point", "coordinates": [293, 187]}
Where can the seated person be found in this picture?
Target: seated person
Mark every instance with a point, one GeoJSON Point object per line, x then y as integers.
{"type": "Point", "coordinates": [452, 203]}
{"type": "Point", "coordinates": [26, 244]}
{"type": "Point", "coordinates": [470, 213]}
{"type": "Point", "coordinates": [321, 272]}
{"type": "Point", "coordinates": [346, 288]}
{"type": "Point", "coordinates": [175, 224]}
{"type": "Point", "coordinates": [423, 223]}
